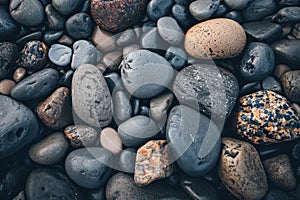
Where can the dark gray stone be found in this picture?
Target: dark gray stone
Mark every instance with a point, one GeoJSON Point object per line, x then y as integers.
{"type": "Point", "coordinates": [235, 15]}
{"type": "Point", "coordinates": [263, 31]}
{"type": "Point", "coordinates": [203, 9]}
{"type": "Point", "coordinates": [287, 15]}
{"type": "Point", "coordinates": [8, 26]}
{"type": "Point", "coordinates": [60, 54]}
{"type": "Point", "coordinates": [157, 9]}
{"type": "Point", "coordinates": [67, 7]}
{"type": "Point", "coordinates": [177, 57]}
{"type": "Point", "coordinates": [237, 5]}
{"type": "Point", "coordinates": [55, 21]}
{"type": "Point", "coordinates": [270, 83]}
{"type": "Point", "coordinates": [87, 167]}
{"type": "Point", "coordinates": [169, 30]}
{"type": "Point", "coordinates": [8, 57]}
{"type": "Point", "coordinates": [122, 107]}
{"type": "Point", "coordinates": [287, 52]}
{"type": "Point", "coordinates": [80, 26]}
{"type": "Point", "coordinates": [18, 126]}
{"type": "Point", "coordinates": [51, 36]}
{"type": "Point", "coordinates": [258, 9]}
{"type": "Point", "coordinates": [183, 16]}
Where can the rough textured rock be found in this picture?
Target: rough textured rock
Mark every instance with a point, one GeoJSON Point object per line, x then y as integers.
{"type": "Point", "coordinates": [8, 57]}
{"type": "Point", "coordinates": [291, 87]}
{"type": "Point", "coordinates": [81, 136]}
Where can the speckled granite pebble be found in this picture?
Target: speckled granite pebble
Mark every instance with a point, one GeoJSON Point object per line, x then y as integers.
{"type": "Point", "coordinates": [81, 136]}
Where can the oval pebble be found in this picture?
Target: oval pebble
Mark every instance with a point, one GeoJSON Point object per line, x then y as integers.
{"type": "Point", "coordinates": [291, 87]}
{"type": "Point", "coordinates": [286, 52]}
{"type": "Point", "coordinates": [37, 85]}
{"type": "Point", "coordinates": [19, 126]}
{"type": "Point", "coordinates": [259, 9]}
{"type": "Point", "coordinates": [169, 30]}
{"type": "Point", "coordinates": [237, 5]}
{"type": "Point", "coordinates": [263, 31]}
{"type": "Point", "coordinates": [8, 26]}
{"type": "Point", "coordinates": [203, 9]}
{"type": "Point", "coordinates": [54, 20]}
{"type": "Point", "coordinates": [111, 141]}
{"type": "Point", "coordinates": [157, 9]}
{"type": "Point", "coordinates": [287, 15]}
{"type": "Point", "coordinates": [122, 107]}
{"type": "Point", "coordinates": [127, 160]}
{"type": "Point", "coordinates": [79, 26]}
{"type": "Point", "coordinates": [60, 54]}
{"type": "Point", "coordinates": [67, 7]}
{"type": "Point", "coordinates": [6, 86]}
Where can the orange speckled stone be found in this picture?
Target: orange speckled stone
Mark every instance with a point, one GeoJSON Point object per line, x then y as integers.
{"type": "Point", "coordinates": [267, 117]}
{"type": "Point", "coordinates": [117, 15]}
{"type": "Point", "coordinates": [152, 163]}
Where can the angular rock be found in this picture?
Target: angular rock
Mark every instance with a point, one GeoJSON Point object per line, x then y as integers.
{"type": "Point", "coordinates": [81, 136]}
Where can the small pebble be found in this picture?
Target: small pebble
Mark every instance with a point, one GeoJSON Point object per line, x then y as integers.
{"type": "Point", "coordinates": [122, 107]}
{"type": "Point", "coordinates": [112, 60]}
{"type": "Point", "coordinates": [6, 86]}
{"type": "Point", "coordinates": [54, 20]}
{"type": "Point", "coordinates": [104, 41]}
{"type": "Point", "coordinates": [157, 9]}
{"type": "Point", "coordinates": [111, 141]}
{"type": "Point", "coordinates": [263, 31]}
{"type": "Point", "coordinates": [237, 5]}
{"type": "Point", "coordinates": [270, 83]}
{"type": "Point", "coordinates": [280, 70]}
{"type": "Point", "coordinates": [203, 9]}
{"type": "Point", "coordinates": [79, 26]}
{"type": "Point", "coordinates": [291, 87]}
{"type": "Point", "coordinates": [287, 15]}
{"type": "Point", "coordinates": [126, 38]}
{"type": "Point", "coordinates": [177, 57]}
{"type": "Point", "coordinates": [258, 9]}
{"type": "Point", "coordinates": [81, 136]}
{"type": "Point", "coordinates": [8, 57]}
{"type": "Point", "coordinates": [67, 7]}
{"type": "Point", "coordinates": [169, 30]}
{"type": "Point", "coordinates": [127, 160]}
{"type": "Point", "coordinates": [286, 52]}
{"type": "Point", "coordinates": [60, 54]}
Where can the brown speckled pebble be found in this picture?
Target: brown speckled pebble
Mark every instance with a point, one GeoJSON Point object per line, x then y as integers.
{"type": "Point", "coordinates": [216, 38]}
{"type": "Point", "coordinates": [241, 170]}
{"type": "Point", "coordinates": [6, 86]}
{"type": "Point", "coordinates": [19, 74]}
{"type": "Point", "coordinates": [279, 171]}
{"type": "Point", "coordinates": [81, 136]}
{"type": "Point", "coordinates": [111, 141]}
{"type": "Point", "coordinates": [290, 82]}
{"type": "Point", "coordinates": [152, 163]}
{"type": "Point", "coordinates": [267, 117]}
{"type": "Point", "coordinates": [117, 15]}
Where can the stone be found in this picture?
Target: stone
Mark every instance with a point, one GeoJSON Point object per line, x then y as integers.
{"type": "Point", "coordinates": [103, 40]}
{"type": "Point", "coordinates": [280, 70]}
{"type": "Point", "coordinates": [221, 10]}
{"type": "Point", "coordinates": [66, 40]}
{"type": "Point", "coordinates": [183, 16]}
{"type": "Point", "coordinates": [257, 63]}
{"type": "Point", "coordinates": [263, 31]}
{"type": "Point", "coordinates": [84, 52]}
{"type": "Point", "coordinates": [8, 26]}
{"type": "Point", "coordinates": [152, 163]}
{"type": "Point", "coordinates": [43, 183]}
{"type": "Point", "coordinates": [88, 167]}
{"type": "Point", "coordinates": [193, 140]}
{"type": "Point", "coordinates": [207, 88]}
{"type": "Point", "coordinates": [50, 150]}
{"type": "Point", "coordinates": [122, 107]}
{"type": "Point", "coordinates": [19, 126]}
{"type": "Point", "coordinates": [145, 74]}
{"type": "Point", "coordinates": [234, 15]}
{"type": "Point", "coordinates": [114, 83]}
{"type": "Point", "coordinates": [287, 15]}
{"type": "Point", "coordinates": [55, 21]}
{"type": "Point", "coordinates": [19, 74]}
{"type": "Point", "coordinates": [67, 7]}
{"type": "Point", "coordinates": [112, 60]}
{"type": "Point", "coordinates": [237, 5]}
{"type": "Point", "coordinates": [91, 98]}
{"type": "Point", "coordinates": [81, 136]}
{"type": "Point", "coordinates": [258, 9]}
{"type": "Point", "coordinates": [6, 86]}
{"type": "Point", "coordinates": [169, 30]}
{"type": "Point", "coordinates": [250, 88]}
{"type": "Point", "coordinates": [110, 140]}
{"type": "Point", "coordinates": [157, 9]}
{"type": "Point", "coordinates": [116, 16]}
{"type": "Point", "coordinates": [121, 186]}
{"type": "Point", "coordinates": [8, 57]}
{"type": "Point", "coordinates": [296, 31]}
{"type": "Point", "coordinates": [137, 130]}
{"type": "Point", "coordinates": [79, 26]}
{"type": "Point", "coordinates": [130, 48]}
{"type": "Point", "coordinates": [203, 9]}
{"type": "Point", "coordinates": [216, 38]}
{"type": "Point", "coordinates": [152, 40]}
{"type": "Point", "coordinates": [126, 38]}
{"type": "Point", "coordinates": [280, 172]}
{"type": "Point", "coordinates": [290, 84]}
{"type": "Point", "coordinates": [60, 54]}
{"type": "Point", "coordinates": [270, 83]}
{"type": "Point", "coordinates": [177, 57]}
{"type": "Point", "coordinates": [286, 52]}
{"type": "Point", "coordinates": [274, 119]}
{"type": "Point", "coordinates": [33, 55]}
{"type": "Point", "coordinates": [27, 12]}
{"type": "Point", "coordinates": [127, 160]}
{"type": "Point", "coordinates": [52, 36]}
{"type": "Point", "coordinates": [241, 170]}
{"type": "Point", "coordinates": [56, 110]}
{"type": "Point", "coordinates": [37, 85]}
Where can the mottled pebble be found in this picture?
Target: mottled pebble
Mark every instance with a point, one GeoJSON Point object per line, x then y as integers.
{"type": "Point", "coordinates": [81, 136]}
{"type": "Point", "coordinates": [79, 26]}
{"type": "Point", "coordinates": [8, 57]}
{"type": "Point", "coordinates": [291, 87]}
{"type": "Point", "coordinates": [6, 86]}
{"type": "Point", "coordinates": [157, 9]}
{"type": "Point", "coordinates": [19, 74]}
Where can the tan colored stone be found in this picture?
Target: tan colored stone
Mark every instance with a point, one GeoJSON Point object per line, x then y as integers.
{"type": "Point", "coordinates": [110, 140]}
{"type": "Point", "coordinates": [6, 86]}
{"type": "Point", "coordinates": [19, 74]}
{"type": "Point", "coordinates": [104, 41]}
{"type": "Point", "coordinates": [215, 38]}
{"type": "Point", "coordinates": [152, 163]}
{"type": "Point", "coordinates": [280, 70]}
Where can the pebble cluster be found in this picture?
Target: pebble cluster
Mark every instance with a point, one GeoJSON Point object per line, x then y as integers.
{"type": "Point", "coordinates": [149, 99]}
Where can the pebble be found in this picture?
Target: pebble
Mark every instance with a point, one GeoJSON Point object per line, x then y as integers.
{"type": "Point", "coordinates": [116, 16]}
{"type": "Point", "coordinates": [66, 40]}
{"type": "Point", "coordinates": [241, 170]}
{"type": "Point", "coordinates": [60, 55]}
{"type": "Point", "coordinates": [122, 186]}
{"type": "Point", "coordinates": [169, 30]}
{"type": "Point", "coordinates": [84, 52]}
{"type": "Point", "coordinates": [296, 31]}
{"type": "Point", "coordinates": [274, 118]}
{"type": "Point", "coordinates": [287, 15]}
{"type": "Point", "coordinates": [87, 167]}
{"type": "Point", "coordinates": [91, 98]}
{"type": "Point", "coordinates": [250, 88]}
{"type": "Point", "coordinates": [215, 38]}
{"type": "Point", "coordinates": [137, 130]}
{"type": "Point", "coordinates": [43, 183]}
{"type": "Point", "coordinates": [37, 85]}
{"type": "Point", "coordinates": [8, 57]}
{"type": "Point", "coordinates": [19, 126]}
{"type": "Point", "coordinates": [221, 11]}
{"type": "Point", "coordinates": [257, 63]}
{"type": "Point", "coordinates": [52, 36]}
{"type": "Point", "coordinates": [280, 172]}
{"type": "Point", "coordinates": [157, 9]}
{"type": "Point", "coordinates": [234, 15]}
{"type": "Point", "coordinates": [126, 38]}
{"type": "Point", "coordinates": [237, 5]}
{"type": "Point", "coordinates": [145, 74]}
{"type": "Point", "coordinates": [111, 141]}
{"type": "Point", "coordinates": [33, 55]}
{"type": "Point", "coordinates": [263, 31]}
{"type": "Point", "coordinates": [270, 83]}
{"type": "Point", "coordinates": [258, 9]}
{"type": "Point", "coordinates": [49, 150]}
{"type": "Point", "coordinates": [127, 160]}
{"type": "Point", "coordinates": [56, 111]}
{"type": "Point", "coordinates": [193, 139]}
{"type": "Point", "coordinates": [55, 21]}
{"type": "Point", "coordinates": [207, 88]}
{"type": "Point", "coordinates": [81, 136]}
{"type": "Point", "coordinates": [29, 37]}
{"type": "Point", "coordinates": [286, 52]}
{"type": "Point", "coordinates": [6, 86]}
{"type": "Point", "coordinates": [112, 60]}
{"type": "Point", "coordinates": [203, 9]}
{"type": "Point", "coordinates": [130, 48]}
{"type": "Point", "coordinates": [103, 40]}
{"type": "Point", "coordinates": [122, 107]}
{"type": "Point", "coordinates": [183, 16]}
{"type": "Point", "coordinates": [8, 26]}
{"type": "Point", "coordinates": [290, 83]}
{"type": "Point", "coordinates": [66, 79]}
{"type": "Point", "coordinates": [79, 26]}
{"type": "Point", "coordinates": [152, 40]}
{"type": "Point", "coordinates": [114, 82]}
{"type": "Point", "coordinates": [27, 12]}
{"type": "Point", "coordinates": [152, 163]}
{"type": "Point", "coordinates": [280, 70]}
{"type": "Point", "coordinates": [67, 7]}
{"type": "Point", "coordinates": [177, 57]}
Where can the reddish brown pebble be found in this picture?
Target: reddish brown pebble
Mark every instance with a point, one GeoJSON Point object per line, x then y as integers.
{"type": "Point", "coordinates": [6, 86]}
{"type": "Point", "coordinates": [117, 15]}
{"type": "Point", "coordinates": [290, 84]}
{"type": "Point", "coordinates": [81, 136]}
{"type": "Point", "coordinates": [56, 111]}
{"type": "Point", "coordinates": [267, 117]}
{"type": "Point", "coordinates": [111, 141]}
{"type": "Point", "coordinates": [152, 163]}
{"type": "Point", "coordinates": [19, 74]}
{"type": "Point", "coordinates": [280, 70]}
